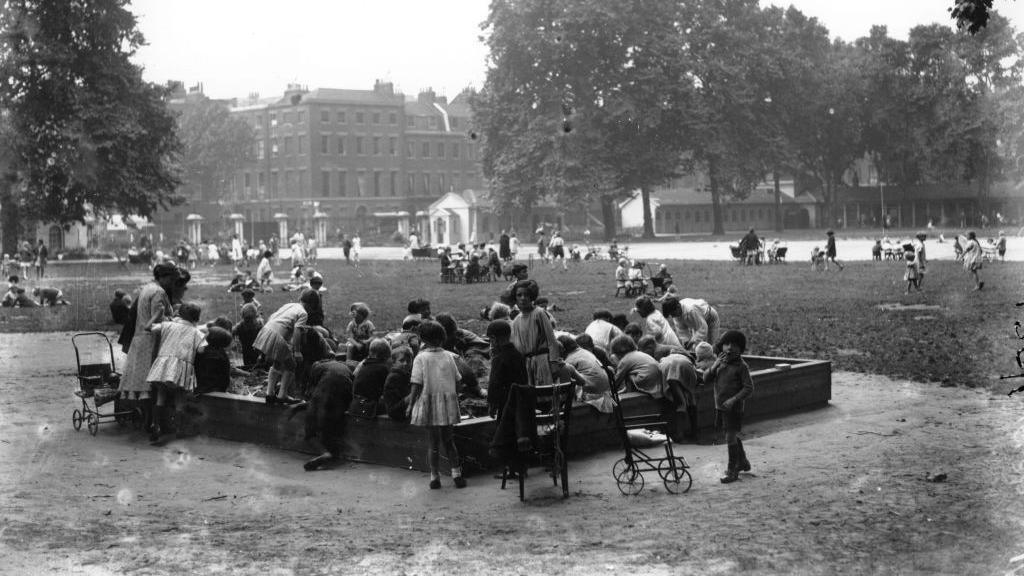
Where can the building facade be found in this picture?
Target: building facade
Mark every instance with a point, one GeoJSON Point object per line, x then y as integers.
{"type": "Point", "coordinates": [331, 161]}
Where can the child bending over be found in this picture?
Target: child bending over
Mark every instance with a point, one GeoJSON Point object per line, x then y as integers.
{"type": "Point", "coordinates": [173, 371]}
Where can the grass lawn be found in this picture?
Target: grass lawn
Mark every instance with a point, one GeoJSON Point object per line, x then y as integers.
{"type": "Point", "coordinates": [859, 318]}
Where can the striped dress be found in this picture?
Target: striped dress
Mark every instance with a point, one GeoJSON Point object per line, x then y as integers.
{"type": "Point", "coordinates": [438, 403]}
{"type": "Point", "coordinates": [174, 365]}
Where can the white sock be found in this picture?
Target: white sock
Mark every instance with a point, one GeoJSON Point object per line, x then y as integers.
{"type": "Point", "coordinates": [434, 476]}
{"type": "Point", "coordinates": [456, 472]}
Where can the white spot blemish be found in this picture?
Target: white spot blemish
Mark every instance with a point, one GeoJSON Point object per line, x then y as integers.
{"type": "Point", "coordinates": [125, 496]}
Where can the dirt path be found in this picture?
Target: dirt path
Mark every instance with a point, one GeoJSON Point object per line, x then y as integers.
{"type": "Point", "coordinates": [840, 490]}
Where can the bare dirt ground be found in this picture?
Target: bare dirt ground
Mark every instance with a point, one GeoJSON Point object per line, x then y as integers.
{"type": "Point", "coordinates": [840, 490]}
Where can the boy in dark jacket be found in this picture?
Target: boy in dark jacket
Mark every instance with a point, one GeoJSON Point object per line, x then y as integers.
{"type": "Point", "coordinates": [397, 386]}
{"type": "Point", "coordinates": [730, 377]}
{"type": "Point", "coordinates": [507, 366]}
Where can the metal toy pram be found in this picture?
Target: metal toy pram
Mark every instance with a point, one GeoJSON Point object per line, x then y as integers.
{"type": "Point", "coordinates": [97, 383]}
{"type": "Point", "coordinates": [628, 471]}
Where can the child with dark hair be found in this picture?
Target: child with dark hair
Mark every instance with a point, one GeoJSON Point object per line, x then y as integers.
{"type": "Point", "coordinates": [249, 297]}
{"type": "Point", "coordinates": [326, 411]}
{"type": "Point", "coordinates": [397, 384]}
{"type": "Point", "coordinates": [533, 335]}
{"type": "Point", "coordinates": [587, 343]}
{"type": "Point", "coordinates": [634, 331]}
{"type": "Point", "coordinates": [264, 273]}
{"type": "Point", "coordinates": [220, 322]}
{"type": "Point", "coordinates": [50, 296]}
{"type": "Point", "coordinates": [655, 323]}
{"type": "Point", "coordinates": [213, 367]}
{"type": "Point", "coordinates": [620, 320]}
{"type": "Point", "coordinates": [120, 308]}
{"type": "Point", "coordinates": [508, 367]}
{"type": "Point", "coordinates": [246, 332]}
{"type": "Point", "coordinates": [421, 307]}
{"type": "Point", "coordinates": [360, 329]}
{"type": "Point", "coordinates": [173, 370]}
{"type": "Point", "coordinates": [459, 340]}
{"type": "Point", "coordinates": [370, 374]}
{"type": "Point", "coordinates": [434, 401]}
{"type": "Point", "coordinates": [732, 383]}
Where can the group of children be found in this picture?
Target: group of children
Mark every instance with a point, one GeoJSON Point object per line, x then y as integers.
{"type": "Point", "coordinates": [17, 296]}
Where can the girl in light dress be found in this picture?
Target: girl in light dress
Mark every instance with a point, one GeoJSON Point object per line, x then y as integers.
{"type": "Point", "coordinates": [434, 401]}
{"type": "Point", "coordinates": [173, 372]}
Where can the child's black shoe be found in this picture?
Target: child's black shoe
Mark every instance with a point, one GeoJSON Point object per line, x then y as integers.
{"type": "Point", "coordinates": [460, 482]}
{"type": "Point", "coordinates": [435, 484]}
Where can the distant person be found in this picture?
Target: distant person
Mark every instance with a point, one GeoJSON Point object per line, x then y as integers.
{"type": "Point", "coordinates": [41, 256]}
{"type": "Point", "coordinates": [357, 246]}
{"type": "Point", "coordinates": [1001, 246]}
{"type": "Point", "coordinates": [750, 247]}
{"type": "Point", "coordinates": [973, 259]}
{"type": "Point", "coordinates": [120, 308]}
{"type": "Point", "coordinates": [504, 247]}
{"type": "Point", "coordinates": [830, 251]}
{"type": "Point", "coordinates": [50, 296]}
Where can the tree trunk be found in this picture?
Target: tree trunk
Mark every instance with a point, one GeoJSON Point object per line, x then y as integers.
{"type": "Point", "coordinates": [778, 202]}
{"type": "Point", "coordinates": [718, 228]}
{"type": "Point", "coordinates": [645, 196]}
{"type": "Point", "coordinates": [9, 217]}
{"type": "Point", "coordinates": [608, 215]}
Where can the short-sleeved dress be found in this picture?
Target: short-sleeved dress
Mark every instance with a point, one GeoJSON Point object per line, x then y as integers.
{"type": "Point", "coordinates": [438, 404]}
{"type": "Point", "coordinates": [174, 365]}
{"type": "Point", "coordinates": [533, 336]}
{"type": "Point", "coordinates": [143, 346]}
{"type": "Point", "coordinates": [275, 338]}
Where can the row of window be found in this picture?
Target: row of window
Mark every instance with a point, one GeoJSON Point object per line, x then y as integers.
{"type": "Point", "coordinates": [298, 117]}
{"type": "Point", "coordinates": [372, 146]}
{"type": "Point", "coordinates": [729, 215]}
{"type": "Point", "coordinates": [363, 183]}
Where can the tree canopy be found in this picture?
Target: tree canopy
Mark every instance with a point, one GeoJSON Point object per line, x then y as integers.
{"type": "Point", "coordinates": [83, 130]}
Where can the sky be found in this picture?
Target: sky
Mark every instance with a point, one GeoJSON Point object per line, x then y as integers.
{"type": "Point", "coordinates": [237, 47]}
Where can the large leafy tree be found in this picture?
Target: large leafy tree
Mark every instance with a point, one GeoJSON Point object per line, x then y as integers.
{"type": "Point", "coordinates": [214, 145]}
{"type": "Point", "coordinates": [84, 130]}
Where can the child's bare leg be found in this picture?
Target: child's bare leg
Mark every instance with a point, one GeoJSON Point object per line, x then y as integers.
{"type": "Point", "coordinates": [273, 377]}
{"type": "Point", "coordinates": [287, 377]}
{"type": "Point", "coordinates": [434, 452]}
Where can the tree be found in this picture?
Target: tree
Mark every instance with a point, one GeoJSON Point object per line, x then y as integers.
{"type": "Point", "coordinates": [85, 131]}
{"type": "Point", "coordinates": [215, 145]}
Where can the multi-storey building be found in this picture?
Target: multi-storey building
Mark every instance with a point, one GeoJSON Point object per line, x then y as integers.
{"type": "Point", "coordinates": [356, 160]}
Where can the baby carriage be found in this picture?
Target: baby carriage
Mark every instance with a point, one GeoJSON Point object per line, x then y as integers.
{"type": "Point", "coordinates": [97, 383]}
{"type": "Point", "coordinates": [628, 471]}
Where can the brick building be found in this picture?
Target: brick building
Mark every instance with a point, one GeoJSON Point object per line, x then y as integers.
{"type": "Point", "coordinates": [330, 159]}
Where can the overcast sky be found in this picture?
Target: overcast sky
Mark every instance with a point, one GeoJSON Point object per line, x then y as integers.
{"type": "Point", "coordinates": [235, 47]}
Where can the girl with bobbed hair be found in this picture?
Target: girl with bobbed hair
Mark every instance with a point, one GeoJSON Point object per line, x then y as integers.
{"type": "Point", "coordinates": [278, 339]}
{"type": "Point", "coordinates": [636, 370]}
{"type": "Point", "coordinates": [532, 334]}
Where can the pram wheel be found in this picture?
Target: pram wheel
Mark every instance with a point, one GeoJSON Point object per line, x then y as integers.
{"type": "Point", "coordinates": [76, 419]}
{"type": "Point", "coordinates": [93, 423]}
{"type": "Point", "coordinates": [676, 477]}
{"type": "Point", "coordinates": [628, 477]}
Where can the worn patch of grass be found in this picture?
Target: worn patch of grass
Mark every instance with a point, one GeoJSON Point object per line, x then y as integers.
{"type": "Point", "coordinates": [859, 318]}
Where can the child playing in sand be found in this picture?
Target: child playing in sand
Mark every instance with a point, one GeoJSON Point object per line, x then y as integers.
{"type": "Point", "coordinates": [730, 377]}
{"type": "Point", "coordinates": [434, 401]}
{"type": "Point", "coordinates": [173, 370]}
{"type": "Point", "coordinates": [246, 332]}
{"type": "Point", "coordinates": [360, 329]}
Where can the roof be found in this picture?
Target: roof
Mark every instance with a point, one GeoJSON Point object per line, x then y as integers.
{"type": "Point", "coordinates": [352, 96]}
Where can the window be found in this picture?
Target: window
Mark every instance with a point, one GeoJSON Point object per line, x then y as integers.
{"type": "Point", "coordinates": [248, 184]}
{"type": "Point", "coordinates": [394, 183]}
{"type": "Point", "coordinates": [325, 183]}
{"type": "Point", "coordinates": [359, 117]}
{"type": "Point", "coordinates": [408, 149]}
{"type": "Point", "coordinates": [359, 144]}
{"type": "Point", "coordinates": [376, 117]}
{"type": "Point", "coordinates": [696, 216]}
{"type": "Point", "coordinates": [393, 146]}
{"type": "Point", "coordinates": [410, 185]}
{"type": "Point", "coordinates": [274, 183]}
{"type": "Point", "coordinates": [341, 145]}
{"type": "Point", "coordinates": [301, 117]}
{"type": "Point", "coordinates": [361, 183]}
{"type": "Point", "coordinates": [288, 117]}
{"type": "Point", "coordinates": [325, 144]}
{"type": "Point", "coordinates": [376, 182]}
{"type": "Point", "coordinates": [440, 183]}
{"type": "Point", "coordinates": [289, 183]}
{"type": "Point", "coordinates": [454, 122]}
{"type": "Point", "coordinates": [341, 116]}
{"type": "Point", "coordinates": [440, 149]}
{"type": "Point", "coordinates": [342, 181]}
{"type": "Point", "coordinates": [376, 146]}
{"type": "Point", "coordinates": [273, 120]}
{"type": "Point", "coordinates": [392, 118]}
{"type": "Point", "coordinates": [410, 121]}
{"type": "Point", "coordinates": [325, 116]}
{"type": "Point", "coordinates": [455, 150]}
{"type": "Point", "coordinates": [261, 184]}
{"type": "Point", "coordinates": [426, 184]}
{"type": "Point", "coordinates": [260, 149]}
{"type": "Point", "coordinates": [303, 149]}
{"type": "Point", "coordinates": [431, 121]}
{"type": "Point", "coordinates": [289, 145]}
{"type": "Point", "coordinates": [426, 150]}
